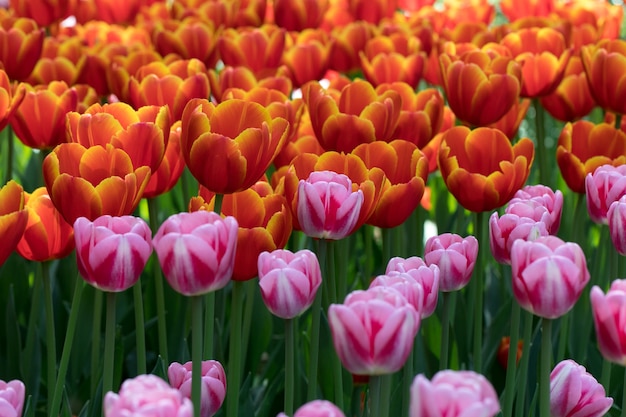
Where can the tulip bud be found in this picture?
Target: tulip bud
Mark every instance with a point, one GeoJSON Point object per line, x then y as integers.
{"type": "Point", "coordinates": [12, 396]}
{"type": "Point", "coordinates": [112, 251]}
{"type": "Point", "coordinates": [213, 384]}
{"type": "Point", "coordinates": [288, 281]}
{"type": "Point", "coordinates": [574, 391]}
{"type": "Point", "coordinates": [455, 256]}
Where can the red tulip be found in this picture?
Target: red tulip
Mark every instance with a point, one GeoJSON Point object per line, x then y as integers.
{"type": "Point", "coordinates": [605, 65]}
{"type": "Point", "coordinates": [23, 41]}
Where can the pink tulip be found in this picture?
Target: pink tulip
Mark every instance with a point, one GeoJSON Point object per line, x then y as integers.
{"type": "Point", "coordinates": [548, 275]}
{"type": "Point", "coordinates": [317, 408]}
{"type": "Point", "coordinates": [574, 392]}
{"type": "Point", "coordinates": [616, 217]}
{"type": "Point", "coordinates": [373, 330]}
{"type": "Point", "coordinates": [112, 251]}
{"type": "Point", "coordinates": [455, 256]}
{"type": "Point", "coordinates": [327, 207]}
{"type": "Point", "coordinates": [12, 396]}
{"type": "Point", "coordinates": [606, 185]}
{"type": "Point", "coordinates": [551, 200]}
{"type": "Point", "coordinates": [505, 230]}
{"type": "Point", "coordinates": [419, 286]}
{"type": "Point", "coordinates": [197, 251]}
{"type": "Point", "coordinates": [453, 394]}
{"type": "Point", "coordinates": [288, 281]}
{"type": "Point", "coordinates": [213, 384]}
{"type": "Point", "coordinates": [147, 396]}
{"type": "Point", "coordinates": [609, 317]}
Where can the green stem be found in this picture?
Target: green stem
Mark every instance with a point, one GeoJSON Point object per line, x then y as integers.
{"type": "Point", "coordinates": [605, 378]}
{"type": "Point", "coordinates": [50, 333]}
{"type": "Point", "coordinates": [623, 396]}
{"type": "Point", "coordinates": [618, 121]}
{"type": "Point", "coordinates": [209, 324]}
{"type": "Point", "coordinates": [387, 244]}
{"type": "Point", "coordinates": [448, 300]}
{"type": "Point", "coordinates": [96, 333]}
{"type": "Point", "coordinates": [8, 175]}
{"type": "Point", "coordinates": [153, 210]}
{"type": "Point", "coordinates": [545, 364]}
{"type": "Point", "coordinates": [368, 242]}
{"type": "Point", "coordinates": [140, 328]}
{"type": "Point", "coordinates": [316, 315]}
{"type": "Point", "coordinates": [248, 309]}
{"type": "Point", "coordinates": [33, 318]}
{"type": "Point", "coordinates": [234, 374]}
{"type": "Point", "coordinates": [407, 380]}
{"type": "Point", "coordinates": [109, 345]}
{"type": "Point", "coordinates": [523, 366]}
{"type": "Point", "coordinates": [478, 282]}
{"type": "Point", "coordinates": [196, 354]}
{"type": "Point", "coordinates": [511, 364]}
{"type": "Point", "coordinates": [341, 257]}
{"type": "Point", "coordinates": [563, 335]}
{"type": "Point", "coordinates": [381, 395]}
{"type": "Point", "coordinates": [290, 349]}
{"type": "Point", "coordinates": [217, 203]}
{"type": "Point", "coordinates": [67, 346]}
{"type": "Point", "coordinates": [542, 152]}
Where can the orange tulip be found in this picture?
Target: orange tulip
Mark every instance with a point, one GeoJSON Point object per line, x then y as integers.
{"type": "Point", "coordinates": [605, 66]}
{"type": "Point", "coordinates": [171, 167]}
{"type": "Point", "coordinates": [244, 78]}
{"type": "Point", "coordinates": [260, 49]}
{"type": "Point", "coordinates": [221, 13]}
{"type": "Point", "coordinates": [296, 15]}
{"type": "Point", "coordinates": [60, 61]}
{"type": "Point", "coordinates": [44, 12]}
{"type": "Point", "coordinates": [543, 55]}
{"type": "Point", "coordinates": [510, 122]}
{"type": "Point", "coordinates": [91, 182]}
{"type": "Point", "coordinates": [515, 10]}
{"type": "Point", "coordinates": [47, 235]}
{"type": "Point", "coordinates": [189, 38]}
{"type": "Point", "coordinates": [229, 146]}
{"type": "Point", "coordinates": [355, 115]}
{"type": "Point", "coordinates": [583, 146]}
{"type": "Point", "coordinates": [13, 218]}
{"type": "Point", "coordinates": [22, 44]}
{"type": "Point", "coordinates": [372, 11]}
{"type": "Point", "coordinates": [264, 223]}
{"type": "Point", "coordinates": [572, 99]}
{"type": "Point", "coordinates": [39, 121]}
{"type": "Point", "coordinates": [142, 134]}
{"type": "Point", "coordinates": [369, 181]}
{"type": "Point", "coordinates": [158, 84]}
{"type": "Point", "coordinates": [303, 141]}
{"type": "Point", "coordinates": [481, 88]}
{"type": "Point", "coordinates": [123, 66]}
{"type": "Point", "coordinates": [250, 13]}
{"type": "Point", "coordinates": [306, 58]}
{"type": "Point", "coordinates": [10, 98]}
{"type": "Point", "coordinates": [481, 168]}
{"type": "Point", "coordinates": [110, 11]}
{"type": "Point", "coordinates": [345, 44]}
{"type": "Point", "coordinates": [431, 150]}
{"type": "Point", "coordinates": [421, 115]}
{"type": "Point", "coordinates": [406, 172]}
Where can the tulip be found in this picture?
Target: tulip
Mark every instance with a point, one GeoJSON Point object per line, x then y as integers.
{"type": "Point", "coordinates": [510, 122]}
{"type": "Point", "coordinates": [171, 168]}
{"type": "Point", "coordinates": [372, 11]}
{"type": "Point", "coordinates": [453, 394]}
{"type": "Point", "coordinates": [411, 289]}
{"type": "Point", "coordinates": [23, 41]}
{"type": "Point", "coordinates": [296, 15]}
{"type": "Point", "coordinates": [188, 38]}
{"type": "Point", "coordinates": [545, 196]}
{"type": "Point", "coordinates": [12, 98]}
{"type": "Point", "coordinates": [481, 167]}
{"type": "Point", "coordinates": [243, 78]}
{"type": "Point", "coordinates": [12, 395]}
{"type": "Point", "coordinates": [197, 251]}
{"type": "Point", "coordinates": [145, 395]}
{"type": "Point", "coordinates": [13, 218]}
{"type": "Point", "coordinates": [426, 276]}
{"type": "Point", "coordinates": [549, 275]}
{"type": "Point", "coordinates": [606, 185]}
{"type": "Point", "coordinates": [61, 60]}
{"type": "Point", "coordinates": [229, 146]}
{"type": "Point", "coordinates": [259, 49]}
{"type": "Point", "coordinates": [373, 330]}
{"type": "Point", "coordinates": [92, 182]}
{"type": "Point", "coordinates": [455, 256]}
{"type": "Point", "coordinates": [346, 43]}
{"type": "Point", "coordinates": [213, 384]}
{"type": "Point", "coordinates": [514, 10]}
{"type": "Point", "coordinates": [288, 281]}
{"type": "Point", "coordinates": [575, 392]}
{"type": "Point", "coordinates": [604, 65]}
{"type": "Point", "coordinates": [583, 147]}
{"type": "Point", "coordinates": [617, 224]}
{"type": "Point", "coordinates": [44, 13]}
{"type": "Point", "coordinates": [609, 314]}
{"type": "Point", "coordinates": [122, 67]}
{"type": "Point", "coordinates": [505, 230]}
{"type": "Point", "coordinates": [112, 251]}
{"type": "Point", "coordinates": [47, 235]}
{"type": "Point", "coordinates": [503, 351]}
{"type": "Point", "coordinates": [317, 408]}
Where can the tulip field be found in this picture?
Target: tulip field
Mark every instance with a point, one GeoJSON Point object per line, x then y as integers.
{"type": "Point", "coordinates": [312, 208]}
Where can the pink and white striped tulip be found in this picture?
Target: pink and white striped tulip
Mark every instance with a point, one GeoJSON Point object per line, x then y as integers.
{"type": "Point", "coordinates": [551, 200]}
{"type": "Point", "coordinates": [317, 408]}
{"type": "Point", "coordinates": [616, 217]}
{"type": "Point", "coordinates": [508, 228]}
{"type": "Point", "coordinates": [327, 208]}
{"type": "Point", "coordinates": [548, 275]}
{"type": "Point", "coordinates": [288, 281]}
{"type": "Point", "coordinates": [147, 396]}
{"type": "Point", "coordinates": [574, 392]}
{"type": "Point", "coordinates": [213, 384]}
{"type": "Point", "coordinates": [419, 286]}
{"type": "Point", "coordinates": [453, 394]}
{"type": "Point", "coordinates": [373, 330]}
{"type": "Point", "coordinates": [111, 252]}
{"type": "Point", "coordinates": [606, 185]}
{"type": "Point", "coordinates": [197, 251]}
{"type": "Point", "coordinates": [12, 395]}
{"type": "Point", "coordinates": [455, 256]}
{"type": "Point", "coordinates": [609, 317]}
